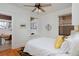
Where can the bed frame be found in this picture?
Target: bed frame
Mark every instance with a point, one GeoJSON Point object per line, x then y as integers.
{"type": "Point", "coordinates": [23, 53]}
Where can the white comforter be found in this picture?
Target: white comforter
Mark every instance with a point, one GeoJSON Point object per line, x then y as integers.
{"type": "Point", "coordinates": [45, 46]}
{"type": "Point", "coordinates": [41, 47]}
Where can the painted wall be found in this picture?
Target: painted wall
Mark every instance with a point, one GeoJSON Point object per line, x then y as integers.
{"type": "Point", "coordinates": [75, 14]}
{"type": "Point", "coordinates": [19, 16]}
{"type": "Point", "coordinates": [53, 20]}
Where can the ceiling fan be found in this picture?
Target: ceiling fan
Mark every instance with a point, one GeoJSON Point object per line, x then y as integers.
{"type": "Point", "coordinates": [39, 6]}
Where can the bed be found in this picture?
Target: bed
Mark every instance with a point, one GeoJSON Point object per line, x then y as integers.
{"type": "Point", "coordinates": [42, 47]}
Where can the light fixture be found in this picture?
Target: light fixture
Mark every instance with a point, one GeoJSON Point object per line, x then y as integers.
{"type": "Point", "coordinates": [38, 10]}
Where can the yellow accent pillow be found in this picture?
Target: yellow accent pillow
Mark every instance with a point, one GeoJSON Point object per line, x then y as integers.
{"type": "Point", "coordinates": [59, 41]}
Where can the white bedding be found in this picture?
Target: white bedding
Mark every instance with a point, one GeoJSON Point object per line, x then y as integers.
{"type": "Point", "coordinates": [45, 46]}
{"type": "Point", "coordinates": [41, 47]}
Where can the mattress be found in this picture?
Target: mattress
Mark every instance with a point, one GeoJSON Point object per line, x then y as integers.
{"type": "Point", "coordinates": [41, 47]}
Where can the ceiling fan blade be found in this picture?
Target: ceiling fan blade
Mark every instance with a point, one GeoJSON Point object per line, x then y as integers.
{"type": "Point", "coordinates": [37, 3]}
{"type": "Point", "coordinates": [46, 5]}
{"type": "Point", "coordinates": [42, 9]}
{"type": "Point", "coordinates": [33, 10]}
{"type": "Point", "coordinates": [29, 6]}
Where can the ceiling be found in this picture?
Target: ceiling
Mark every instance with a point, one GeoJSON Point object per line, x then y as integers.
{"type": "Point", "coordinates": [53, 7]}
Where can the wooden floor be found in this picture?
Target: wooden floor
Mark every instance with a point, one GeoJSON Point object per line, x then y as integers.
{"type": "Point", "coordinates": [9, 52]}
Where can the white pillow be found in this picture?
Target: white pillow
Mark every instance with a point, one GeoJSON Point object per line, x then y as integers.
{"type": "Point", "coordinates": [74, 48]}
{"type": "Point", "coordinates": [65, 46]}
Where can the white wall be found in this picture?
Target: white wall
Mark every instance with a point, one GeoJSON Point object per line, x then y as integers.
{"type": "Point", "coordinates": [19, 16]}
{"type": "Point", "coordinates": [53, 20]}
{"type": "Point", "coordinates": [75, 13]}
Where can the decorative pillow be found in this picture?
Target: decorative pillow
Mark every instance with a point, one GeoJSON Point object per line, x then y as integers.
{"type": "Point", "coordinates": [65, 47]}
{"type": "Point", "coordinates": [59, 41]}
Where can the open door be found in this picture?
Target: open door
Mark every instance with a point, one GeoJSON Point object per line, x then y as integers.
{"type": "Point", "coordinates": [5, 32]}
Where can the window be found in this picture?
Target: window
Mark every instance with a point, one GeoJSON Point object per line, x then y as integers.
{"type": "Point", "coordinates": [65, 25]}
{"type": "Point", "coordinates": [3, 25]}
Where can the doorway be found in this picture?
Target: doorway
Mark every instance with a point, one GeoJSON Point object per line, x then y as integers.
{"type": "Point", "coordinates": [5, 31]}
{"type": "Point", "coordinates": [65, 25]}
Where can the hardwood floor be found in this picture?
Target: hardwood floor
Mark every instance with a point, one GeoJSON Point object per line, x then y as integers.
{"type": "Point", "coordinates": [9, 52]}
{"type": "Point", "coordinates": [5, 47]}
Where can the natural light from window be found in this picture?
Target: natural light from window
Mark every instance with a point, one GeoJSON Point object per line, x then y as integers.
{"type": "Point", "coordinates": [3, 24]}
